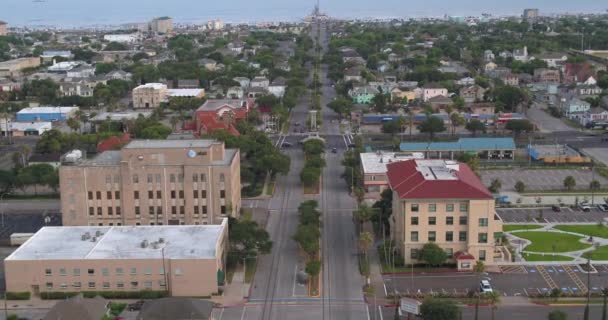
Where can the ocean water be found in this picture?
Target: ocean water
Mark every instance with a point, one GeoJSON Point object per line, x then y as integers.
{"type": "Point", "coordinates": [72, 13]}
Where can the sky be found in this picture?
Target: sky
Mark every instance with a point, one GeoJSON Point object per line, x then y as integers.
{"type": "Point", "coordinates": [90, 12]}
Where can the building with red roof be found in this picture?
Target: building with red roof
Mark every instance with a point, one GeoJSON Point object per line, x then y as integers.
{"type": "Point", "coordinates": [221, 114]}
{"type": "Point", "coordinates": [446, 203]}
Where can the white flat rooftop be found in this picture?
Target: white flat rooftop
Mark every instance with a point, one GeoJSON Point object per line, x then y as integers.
{"type": "Point", "coordinates": [373, 162]}
{"type": "Point", "coordinates": [438, 169]}
{"type": "Point", "coordinates": [47, 110]}
{"type": "Point", "coordinates": [152, 85]}
{"type": "Point", "coordinates": [123, 242]}
{"type": "Point", "coordinates": [185, 92]}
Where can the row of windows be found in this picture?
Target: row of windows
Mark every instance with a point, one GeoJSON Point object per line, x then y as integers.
{"type": "Point", "coordinates": [108, 195]}
{"type": "Point", "coordinates": [449, 207]}
{"type": "Point", "coordinates": [105, 284]}
{"type": "Point", "coordinates": [110, 210]}
{"type": "Point", "coordinates": [415, 253]}
{"type": "Point", "coordinates": [182, 210]}
{"type": "Point", "coordinates": [151, 178]}
{"type": "Point", "coordinates": [106, 271]}
{"type": "Point", "coordinates": [483, 222]}
{"type": "Point", "coordinates": [482, 237]}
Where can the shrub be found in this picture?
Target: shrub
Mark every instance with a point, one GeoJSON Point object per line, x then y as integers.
{"type": "Point", "coordinates": [144, 294]}
{"type": "Point", "coordinates": [25, 295]}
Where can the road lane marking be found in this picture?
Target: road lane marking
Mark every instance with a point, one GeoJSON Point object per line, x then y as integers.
{"type": "Point", "coordinates": [380, 312]}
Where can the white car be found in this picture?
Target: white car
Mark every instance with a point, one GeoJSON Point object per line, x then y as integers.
{"type": "Point", "coordinates": [603, 207]}
{"type": "Point", "coordinates": [584, 206]}
{"type": "Point", "coordinates": [485, 287]}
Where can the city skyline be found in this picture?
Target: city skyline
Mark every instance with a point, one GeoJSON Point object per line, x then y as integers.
{"type": "Point", "coordinates": [67, 13]}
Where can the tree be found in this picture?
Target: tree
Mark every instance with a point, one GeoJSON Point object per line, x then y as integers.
{"type": "Point", "coordinates": [604, 303]}
{"type": "Point", "coordinates": [341, 106]}
{"type": "Point", "coordinates": [307, 237]}
{"type": "Point", "coordinates": [494, 299]}
{"type": "Point", "coordinates": [391, 127]}
{"type": "Point", "coordinates": [520, 186]}
{"type": "Point", "coordinates": [569, 183]}
{"type": "Point", "coordinates": [431, 126]}
{"type": "Point", "coordinates": [366, 239]}
{"type": "Point", "coordinates": [435, 309]}
{"type": "Point", "coordinates": [456, 120]}
{"type": "Point", "coordinates": [157, 131]}
{"type": "Point", "coordinates": [313, 268]}
{"type": "Point", "coordinates": [115, 46]}
{"type": "Point", "coordinates": [594, 185]}
{"type": "Point", "coordinates": [495, 185]}
{"type": "Point", "coordinates": [363, 214]}
{"type": "Point", "coordinates": [475, 126]}
{"type": "Point", "coordinates": [247, 238]}
{"type": "Point", "coordinates": [519, 125]}
{"type": "Point", "coordinates": [432, 254]}
{"type": "Point", "coordinates": [509, 97]}
{"type": "Point", "coordinates": [313, 147]}
{"type": "Point", "coordinates": [557, 315]}
{"type": "Point", "coordinates": [379, 102]}
{"type": "Point", "coordinates": [73, 124]}
{"type": "Point", "coordinates": [471, 160]}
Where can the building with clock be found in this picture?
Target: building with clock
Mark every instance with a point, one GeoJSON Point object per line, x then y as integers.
{"type": "Point", "coordinates": [152, 182]}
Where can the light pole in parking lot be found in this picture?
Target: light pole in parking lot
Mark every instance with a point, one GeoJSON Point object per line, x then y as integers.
{"type": "Point", "coordinates": [2, 208]}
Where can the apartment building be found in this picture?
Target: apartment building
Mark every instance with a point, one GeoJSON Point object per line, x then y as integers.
{"type": "Point", "coordinates": [152, 182]}
{"type": "Point", "coordinates": [149, 95]}
{"type": "Point", "coordinates": [443, 202]}
{"type": "Point", "coordinates": [182, 260]}
{"type": "Point", "coordinates": [162, 25]}
{"type": "Point", "coordinates": [3, 31]}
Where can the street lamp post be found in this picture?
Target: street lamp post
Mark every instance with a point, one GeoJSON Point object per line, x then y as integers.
{"type": "Point", "coordinates": [2, 209]}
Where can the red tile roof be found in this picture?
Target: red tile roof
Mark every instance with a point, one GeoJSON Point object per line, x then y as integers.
{"type": "Point", "coordinates": [409, 183]}
{"type": "Point", "coordinates": [461, 255]}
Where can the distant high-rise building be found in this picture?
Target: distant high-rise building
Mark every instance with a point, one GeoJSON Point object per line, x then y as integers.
{"type": "Point", "coordinates": [3, 30]}
{"type": "Point", "coordinates": [531, 14]}
{"type": "Point", "coordinates": [162, 25]}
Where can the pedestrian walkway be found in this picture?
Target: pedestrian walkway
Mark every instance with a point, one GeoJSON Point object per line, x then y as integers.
{"type": "Point", "coordinates": [235, 292]}
{"type": "Point", "coordinates": [375, 273]}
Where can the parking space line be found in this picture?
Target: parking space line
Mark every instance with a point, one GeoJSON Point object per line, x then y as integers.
{"type": "Point", "coordinates": [575, 278]}
{"type": "Point", "coordinates": [546, 277]}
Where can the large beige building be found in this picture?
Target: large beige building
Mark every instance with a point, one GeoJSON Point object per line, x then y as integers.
{"type": "Point", "coordinates": [162, 25]}
{"type": "Point", "coordinates": [149, 95]}
{"type": "Point", "coordinates": [152, 182]}
{"type": "Point", "coordinates": [182, 260]}
{"type": "Point", "coordinates": [13, 68]}
{"type": "Point", "coordinates": [443, 202]}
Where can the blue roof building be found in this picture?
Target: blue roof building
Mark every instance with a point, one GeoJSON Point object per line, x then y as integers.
{"type": "Point", "coordinates": [486, 148]}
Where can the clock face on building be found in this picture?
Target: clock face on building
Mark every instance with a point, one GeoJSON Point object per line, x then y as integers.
{"type": "Point", "coordinates": [191, 153]}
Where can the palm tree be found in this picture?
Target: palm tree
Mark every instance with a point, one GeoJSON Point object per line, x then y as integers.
{"type": "Point", "coordinates": [174, 122]}
{"type": "Point", "coordinates": [479, 269]}
{"type": "Point", "coordinates": [363, 214]}
{"type": "Point", "coordinates": [365, 241]}
{"type": "Point", "coordinates": [410, 117]}
{"type": "Point", "coordinates": [25, 152]}
{"type": "Point", "coordinates": [456, 120]}
{"type": "Point", "coordinates": [604, 306]}
{"type": "Point", "coordinates": [494, 298]}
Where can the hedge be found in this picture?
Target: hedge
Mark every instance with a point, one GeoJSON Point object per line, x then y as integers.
{"type": "Point", "coordinates": [144, 294]}
{"type": "Point", "coordinates": [25, 295]}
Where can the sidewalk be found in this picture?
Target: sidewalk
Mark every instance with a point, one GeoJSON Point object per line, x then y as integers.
{"type": "Point", "coordinates": [236, 292]}
{"type": "Point", "coordinates": [375, 273]}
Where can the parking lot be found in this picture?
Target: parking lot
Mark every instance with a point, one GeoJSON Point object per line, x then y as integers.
{"type": "Point", "coordinates": [27, 223]}
{"type": "Point", "coordinates": [548, 179]}
{"type": "Point", "coordinates": [567, 215]}
{"type": "Point", "coordinates": [512, 281]}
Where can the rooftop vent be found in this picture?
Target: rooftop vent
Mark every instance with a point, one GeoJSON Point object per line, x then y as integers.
{"type": "Point", "coordinates": [144, 243]}
{"type": "Point", "coordinates": [98, 233]}
{"type": "Point", "coordinates": [161, 240]}
{"type": "Point", "coordinates": [155, 245]}
{"type": "Point", "coordinates": [93, 239]}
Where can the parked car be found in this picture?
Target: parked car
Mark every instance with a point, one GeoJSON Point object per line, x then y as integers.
{"type": "Point", "coordinates": [556, 208]}
{"type": "Point", "coordinates": [584, 206]}
{"type": "Point", "coordinates": [603, 207]}
{"type": "Point", "coordinates": [485, 287]}
{"type": "Point", "coordinates": [287, 144]}
{"type": "Point", "coordinates": [135, 306]}
{"type": "Point", "coordinates": [334, 150]}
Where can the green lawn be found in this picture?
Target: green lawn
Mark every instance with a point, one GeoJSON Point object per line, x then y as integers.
{"type": "Point", "coordinates": [551, 241]}
{"type": "Point", "coordinates": [588, 230]}
{"type": "Point", "coordinates": [514, 227]}
{"type": "Point", "coordinates": [540, 257]}
{"type": "Point", "coordinates": [600, 253]}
